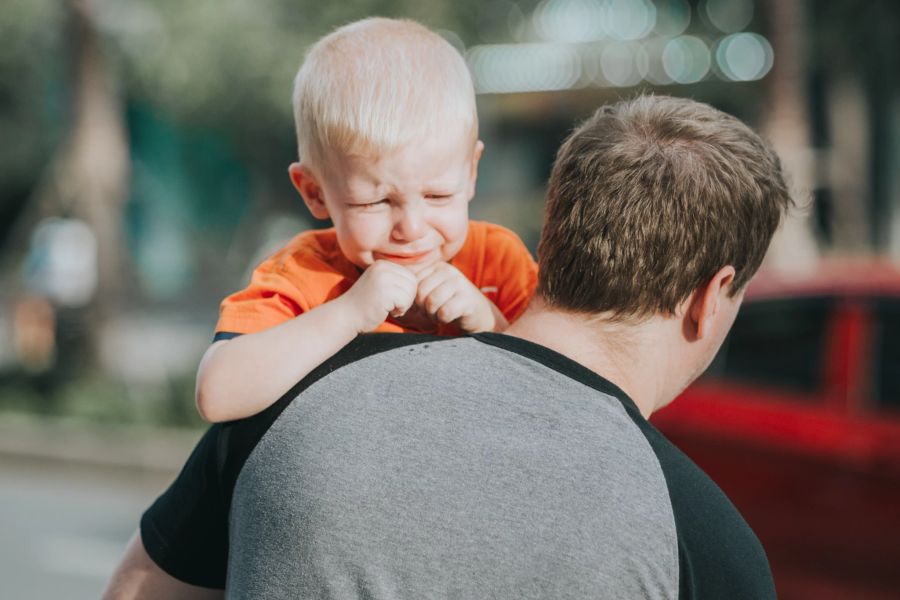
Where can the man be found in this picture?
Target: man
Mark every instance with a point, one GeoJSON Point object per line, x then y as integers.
{"type": "Point", "coordinates": [516, 465]}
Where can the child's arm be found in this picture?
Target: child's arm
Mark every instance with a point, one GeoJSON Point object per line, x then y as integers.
{"type": "Point", "coordinates": [244, 375]}
{"type": "Point", "coordinates": [448, 296]}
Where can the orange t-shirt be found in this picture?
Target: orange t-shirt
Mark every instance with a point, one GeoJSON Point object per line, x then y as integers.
{"type": "Point", "coordinates": [311, 270]}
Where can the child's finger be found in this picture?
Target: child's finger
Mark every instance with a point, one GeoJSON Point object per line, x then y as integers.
{"type": "Point", "coordinates": [453, 309]}
{"type": "Point", "coordinates": [404, 296]}
{"type": "Point", "coordinates": [439, 296]}
{"type": "Point", "coordinates": [426, 272]}
{"type": "Point", "coordinates": [426, 286]}
{"type": "Point", "coordinates": [400, 308]}
{"type": "Point", "coordinates": [437, 278]}
{"type": "Point", "coordinates": [400, 272]}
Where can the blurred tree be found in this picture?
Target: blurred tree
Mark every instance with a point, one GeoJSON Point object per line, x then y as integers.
{"type": "Point", "coordinates": [86, 176]}
{"type": "Point", "coordinates": [90, 177]}
{"type": "Point", "coordinates": [31, 97]}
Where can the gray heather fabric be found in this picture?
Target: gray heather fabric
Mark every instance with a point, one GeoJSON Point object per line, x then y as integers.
{"type": "Point", "coordinates": [452, 470]}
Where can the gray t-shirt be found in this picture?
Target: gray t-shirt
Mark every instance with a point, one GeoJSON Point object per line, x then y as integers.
{"type": "Point", "coordinates": [478, 467]}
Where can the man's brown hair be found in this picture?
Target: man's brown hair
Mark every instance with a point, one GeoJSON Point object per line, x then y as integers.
{"type": "Point", "coordinates": [648, 199]}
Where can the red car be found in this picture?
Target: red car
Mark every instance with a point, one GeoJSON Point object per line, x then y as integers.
{"type": "Point", "coordinates": [798, 421]}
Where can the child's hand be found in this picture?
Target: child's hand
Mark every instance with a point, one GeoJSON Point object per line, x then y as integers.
{"type": "Point", "coordinates": [385, 288]}
{"type": "Point", "coordinates": [448, 296]}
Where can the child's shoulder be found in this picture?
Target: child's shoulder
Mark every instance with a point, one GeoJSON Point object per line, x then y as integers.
{"type": "Point", "coordinates": [493, 252]}
{"type": "Point", "coordinates": [491, 236]}
{"type": "Point", "coordinates": [307, 249]}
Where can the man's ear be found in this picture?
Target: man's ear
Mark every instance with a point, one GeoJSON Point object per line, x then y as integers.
{"type": "Point", "coordinates": [309, 189]}
{"type": "Point", "coordinates": [473, 174]}
{"type": "Point", "coordinates": [705, 303]}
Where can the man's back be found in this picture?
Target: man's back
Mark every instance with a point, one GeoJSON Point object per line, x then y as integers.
{"type": "Point", "coordinates": [473, 467]}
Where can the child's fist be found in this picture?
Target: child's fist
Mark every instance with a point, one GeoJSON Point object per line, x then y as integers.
{"type": "Point", "coordinates": [448, 296]}
{"type": "Point", "coordinates": [385, 288]}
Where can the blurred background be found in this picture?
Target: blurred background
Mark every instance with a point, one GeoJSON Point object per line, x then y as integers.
{"type": "Point", "coordinates": [144, 147]}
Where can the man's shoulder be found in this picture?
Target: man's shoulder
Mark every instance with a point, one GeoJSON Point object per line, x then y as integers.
{"type": "Point", "coordinates": [241, 437]}
{"type": "Point", "coordinates": [362, 347]}
{"type": "Point", "coordinates": [366, 345]}
{"type": "Point", "coordinates": [507, 449]}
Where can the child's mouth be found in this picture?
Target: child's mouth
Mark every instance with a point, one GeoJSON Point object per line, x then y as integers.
{"type": "Point", "coordinates": [405, 259]}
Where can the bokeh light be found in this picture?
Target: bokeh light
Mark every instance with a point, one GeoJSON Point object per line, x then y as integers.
{"type": "Point", "coordinates": [656, 72]}
{"type": "Point", "coordinates": [744, 56]}
{"type": "Point", "coordinates": [623, 64]}
{"type": "Point", "coordinates": [570, 20]}
{"type": "Point", "coordinates": [614, 43]}
{"type": "Point", "coordinates": [729, 16]}
{"type": "Point", "coordinates": [686, 59]}
{"type": "Point", "coordinates": [591, 74]}
{"type": "Point", "coordinates": [672, 17]}
{"type": "Point", "coordinates": [630, 19]}
{"type": "Point", "coordinates": [505, 68]}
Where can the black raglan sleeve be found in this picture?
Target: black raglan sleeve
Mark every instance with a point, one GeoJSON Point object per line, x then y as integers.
{"type": "Point", "coordinates": [185, 531]}
{"type": "Point", "coordinates": [719, 555]}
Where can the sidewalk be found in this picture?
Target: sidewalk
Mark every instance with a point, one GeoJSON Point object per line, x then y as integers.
{"type": "Point", "coordinates": [134, 448]}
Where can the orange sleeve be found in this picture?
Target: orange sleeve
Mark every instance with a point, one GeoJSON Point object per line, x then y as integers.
{"type": "Point", "coordinates": [306, 272]}
{"type": "Point", "coordinates": [270, 299]}
{"type": "Point", "coordinates": [510, 265]}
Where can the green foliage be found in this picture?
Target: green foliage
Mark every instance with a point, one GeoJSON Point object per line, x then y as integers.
{"type": "Point", "coordinates": [97, 398]}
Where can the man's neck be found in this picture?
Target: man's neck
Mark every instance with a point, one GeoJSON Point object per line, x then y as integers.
{"type": "Point", "coordinates": [634, 356]}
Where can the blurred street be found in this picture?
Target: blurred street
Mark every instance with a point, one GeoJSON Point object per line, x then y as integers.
{"type": "Point", "coordinates": [65, 523]}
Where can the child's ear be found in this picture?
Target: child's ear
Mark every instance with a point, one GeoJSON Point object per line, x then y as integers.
{"type": "Point", "coordinates": [310, 190]}
{"type": "Point", "coordinates": [473, 175]}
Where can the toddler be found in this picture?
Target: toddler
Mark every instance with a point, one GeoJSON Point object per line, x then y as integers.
{"type": "Point", "coordinates": [388, 141]}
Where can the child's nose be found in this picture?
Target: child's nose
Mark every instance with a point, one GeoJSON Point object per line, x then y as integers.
{"type": "Point", "coordinates": [410, 224]}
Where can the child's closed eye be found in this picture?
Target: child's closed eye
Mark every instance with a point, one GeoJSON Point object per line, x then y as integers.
{"type": "Point", "coordinates": [371, 205]}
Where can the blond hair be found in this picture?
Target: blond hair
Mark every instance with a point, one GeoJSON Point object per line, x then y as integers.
{"type": "Point", "coordinates": [648, 199]}
{"type": "Point", "coordinates": [377, 84]}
